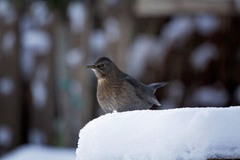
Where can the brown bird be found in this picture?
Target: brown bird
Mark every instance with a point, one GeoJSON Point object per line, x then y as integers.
{"type": "Point", "coordinates": [117, 91]}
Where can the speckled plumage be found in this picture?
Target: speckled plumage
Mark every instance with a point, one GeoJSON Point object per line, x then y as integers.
{"type": "Point", "coordinates": [117, 91]}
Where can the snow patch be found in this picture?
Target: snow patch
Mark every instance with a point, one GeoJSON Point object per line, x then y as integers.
{"type": "Point", "coordinates": [7, 12]}
{"type": "Point", "coordinates": [141, 50]}
{"type": "Point", "coordinates": [27, 62]}
{"type": "Point", "coordinates": [112, 29]}
{"type": "Point", "coordinates": [206, 24]}
{"type": "Point", "coordinates": [38, 41]}
{"type": "Point", "coordinates": [39, 93]}
{"type": "Point", "coordinates": [5, 136]}
{"type": "Point", "coordinates": [40, 13]}
{"type": "Point", "coordinates": [202, 55]}
{"type": "Point", "coordinates": [187, 133]}
{"type": "Point", "coordinates": [6, 86]}
{"type": "Point", "coordinates": [74, 57]}
{"type": "Point", "coordinates": [177, 29]}
{"type": "Point", "coordinates": [97, 41]}
{"type": "Point", "coordinates": [40, 152]}
{"type": "Point", "coordinates": [77, 15]}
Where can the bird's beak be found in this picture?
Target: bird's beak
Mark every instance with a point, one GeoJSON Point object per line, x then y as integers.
{"type": "Point", "coordinates": [92, 66]}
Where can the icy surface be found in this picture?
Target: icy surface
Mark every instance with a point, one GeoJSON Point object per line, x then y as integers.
{"type": "Point", "coordinates": [35, 152]}
{"type": "Point", "coordinates": [176, 134]}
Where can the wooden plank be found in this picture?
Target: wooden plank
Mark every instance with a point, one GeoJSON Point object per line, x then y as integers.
{"type": "Point", "coordinates": [167, 8]}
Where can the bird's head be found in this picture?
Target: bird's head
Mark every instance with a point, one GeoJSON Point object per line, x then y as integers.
{"type": "Point", "coordinates": [104, 68]}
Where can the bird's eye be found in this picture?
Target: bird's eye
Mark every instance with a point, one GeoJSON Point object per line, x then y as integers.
{"type": "Point", "coordinates": [101, 65]}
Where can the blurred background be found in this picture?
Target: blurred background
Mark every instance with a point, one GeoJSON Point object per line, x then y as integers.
{"type": "Point", "coordinates": [46, 93]}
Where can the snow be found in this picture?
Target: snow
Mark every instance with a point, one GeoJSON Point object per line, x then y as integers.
{"type": "Point", "coordinates": [36, 40]}
{"type": "Point", "coordinates": [39, 93]}
{"type": "Point", "coordinates": [97, 41]}
{"type": "Point", "coordinates": [180, 27]}
{"type": "Point", "coordinates": [74, 57]}
{"type": "Point", "coordinates": [5, 135]}
{"type": "Point", "coordinates": [40, 13]}
{"type": "Point", "coordinates": [202, 55]}
{"type": "Point", "coordinates": [112, 29]}
{"type": "Point", "coordinates": [187, 133]}
{"type": "Point", "coordinates": [27, 62]}
{"type": "Point", "coordinates": [77, 15]}
{"type": "Point", "coordinates": [207, 24]}
{"type": "Point", "coordinates": [143, 48]}
{"type": "Point", "coordinates": [6, 86]}
{"type": "Point", "coordinates": [30, 152]}
{"type": "Point", "coordinates": [7, 12]}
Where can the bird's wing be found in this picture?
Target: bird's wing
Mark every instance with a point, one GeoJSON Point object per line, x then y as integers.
{"type": "Point", "coordinates": [142, 91]}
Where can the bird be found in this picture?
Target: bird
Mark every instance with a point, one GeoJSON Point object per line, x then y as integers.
{"type": "Point", "coordinates": [118, 91]}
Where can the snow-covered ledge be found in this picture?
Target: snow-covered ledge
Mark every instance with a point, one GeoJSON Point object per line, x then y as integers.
{"type": "Point", "coordinates": [177, 134]}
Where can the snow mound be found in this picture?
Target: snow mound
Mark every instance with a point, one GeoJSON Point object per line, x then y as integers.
{"type": "Point", "coordinates": [177, 134]}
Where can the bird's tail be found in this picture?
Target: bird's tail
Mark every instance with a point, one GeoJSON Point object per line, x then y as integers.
{"type": "Point", "coordinates": [155, 86]}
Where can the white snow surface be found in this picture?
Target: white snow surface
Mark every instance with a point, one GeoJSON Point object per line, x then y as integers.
{"type": "Point", "coordinates": [38, 152]}
{"type": "Point", "coordinates": [175, 134]}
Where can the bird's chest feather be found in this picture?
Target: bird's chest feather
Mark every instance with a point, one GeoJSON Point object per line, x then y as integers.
{"type": "Point", "coordinates": [108, 90]}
